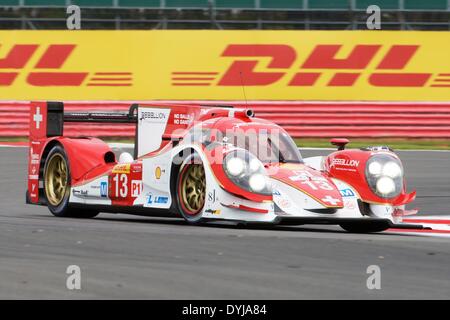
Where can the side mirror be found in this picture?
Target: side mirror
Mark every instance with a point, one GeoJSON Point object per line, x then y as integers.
{"type": "Point", "coordinates": [339, 142]}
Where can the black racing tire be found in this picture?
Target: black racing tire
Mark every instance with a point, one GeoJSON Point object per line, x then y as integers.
{"type": "Point", "coordinates": [190, 209]}
{"type": "Point", "coordinates": [365, 227]}
{"type": "Point", "coordinates": [57, 182]}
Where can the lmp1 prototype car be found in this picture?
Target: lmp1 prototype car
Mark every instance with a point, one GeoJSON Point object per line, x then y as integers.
{"type": "Point", "coordinates": [209, 163]}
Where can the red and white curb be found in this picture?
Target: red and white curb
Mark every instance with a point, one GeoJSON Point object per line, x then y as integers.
{"type": "Point", "coordinates": [439, 226]}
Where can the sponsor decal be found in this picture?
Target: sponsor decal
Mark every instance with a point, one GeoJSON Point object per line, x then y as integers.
{"type": "Point", "coordinates": [34, 172]}
{"type": "Point", "coordinates": [80, 192]}
{"type": "Point", "coordinates": [20, 57]}
{"type": "Point", "coordinates": [284, 203]}
{"type": "Point", "coordinates": [156, 199]}
{"type": "Point", "coordinates": [136, 188]}
{"type": "Point", "coordinates": [33, 193]}
{"type": "Point", "coordinates": [211, 211]}
{"type": "Point", "coordinates": [347, 192]}
{"type": "Point", "coordinates": [34, 157]}
{"type": "Point", "coordinates": [159, 172]}
{"type": "Point", "coordinates": [349, 204]}
{"type": "Point", "coordinates": [362, 66]}
{"type": "Point", "coordinates": [323, 62]}
{"type": "Point", "coordinates": [136, 168]}
{"type": "Point", "coordinates": [153, 116]}
{"type": "Point", "coordinates": [104, 189]}
{"type": "Point", "coordinates": [121, 168]}
{"type": "Point", "coordinates": [344, 162]}
{"type": "Point", "coordinates": [280, 200]}
{"type": "Point", "coordinates": [181, 118]}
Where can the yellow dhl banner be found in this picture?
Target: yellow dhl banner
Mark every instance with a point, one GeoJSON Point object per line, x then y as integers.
{"type": "Point", "coordinates": [214, 65]}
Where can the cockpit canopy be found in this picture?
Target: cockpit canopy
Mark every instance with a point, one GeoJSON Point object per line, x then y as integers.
{"type": "Point", "coordinates": [268, 142]}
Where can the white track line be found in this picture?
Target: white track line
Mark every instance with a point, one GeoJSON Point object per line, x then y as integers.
{"type": "Point", "coordinates": [12, 146]}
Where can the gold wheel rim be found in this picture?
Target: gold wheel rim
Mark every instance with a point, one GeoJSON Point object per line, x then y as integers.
{"type": "Point", "coordinates": [56, 179]}
{"type": "Point", "coordinates": [193, 188]}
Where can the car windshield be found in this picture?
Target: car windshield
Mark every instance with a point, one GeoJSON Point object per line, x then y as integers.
{"type": "Point", "coordinates": [268, 146]}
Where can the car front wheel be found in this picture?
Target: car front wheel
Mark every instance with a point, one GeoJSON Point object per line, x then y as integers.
{"type": "Point", "coordinates": [191, 190]}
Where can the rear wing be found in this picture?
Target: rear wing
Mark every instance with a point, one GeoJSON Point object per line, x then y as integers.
{"type": "Point", "coordinates": [47, 118]}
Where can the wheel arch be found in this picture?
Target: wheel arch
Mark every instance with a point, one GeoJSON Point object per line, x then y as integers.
{"type": "Point", "coordinates": [45, 152]}
{"type": "Point", "coordinates": [83, 154]}
{"type": "Point", "coordinates": [175, 169]}
{"type": "Point", "coordinates": [48, 147]}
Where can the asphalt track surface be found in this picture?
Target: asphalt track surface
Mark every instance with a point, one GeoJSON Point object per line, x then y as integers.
{"type": "Point", "coordinates": [130, 257]}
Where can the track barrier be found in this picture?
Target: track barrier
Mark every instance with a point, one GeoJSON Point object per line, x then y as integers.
{"type": "Point", "coordinates": [302, 119]}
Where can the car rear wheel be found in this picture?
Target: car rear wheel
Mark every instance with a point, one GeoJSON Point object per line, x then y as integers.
{"type": "Point", "coordinates": [57, 186]}
{"type": "Point", "coordinates": [365, 227]}
{"type": "Point", "coordinates": [191, 190]}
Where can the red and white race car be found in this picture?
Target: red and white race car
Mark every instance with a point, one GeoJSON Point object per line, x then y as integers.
{"type": "Point", "coordinates": [207, 163]}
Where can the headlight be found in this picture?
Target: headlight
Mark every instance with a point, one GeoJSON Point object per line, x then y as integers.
{"type": "Point", "coordinates": [235, 166]}
{"type": "Point", "coordinates": [385, 185]}
{"type": "Point", "coordinates": [257, 182]}
{"type": "Point", "coordinates": [384, 175]}
{"type": "Point", "coordinates": [392, 169]}
{"type": "Point", "coordinates": [247, 172]}
{"type": "Point", "coordinates": [375, 168]}
{"type": "Point", "coordinates": [255, 165]}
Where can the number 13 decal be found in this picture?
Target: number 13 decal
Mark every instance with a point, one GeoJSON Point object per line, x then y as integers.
{"type": "Point", "coordinates": [315, 185]}
{"type": "Point", "coordinates": [121, 185]}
